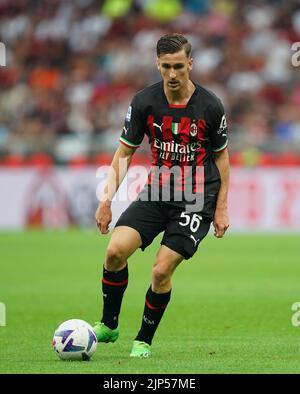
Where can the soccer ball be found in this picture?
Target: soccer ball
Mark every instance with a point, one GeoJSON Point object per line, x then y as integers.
{"type": "Point", "coordinates": [74, 340]}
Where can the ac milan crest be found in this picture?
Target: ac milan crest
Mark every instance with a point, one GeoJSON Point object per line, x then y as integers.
{"type": "Point", "coordinates": [193, 129]}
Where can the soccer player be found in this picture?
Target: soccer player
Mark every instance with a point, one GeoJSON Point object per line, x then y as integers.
{"type": "Point", "coordinates": [186, 127]}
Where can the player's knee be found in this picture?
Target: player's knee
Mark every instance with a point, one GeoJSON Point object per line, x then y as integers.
{"type": "Point", "coordinates": [160, 275]}
{"type": "Point", "coordinates": [115, 257]}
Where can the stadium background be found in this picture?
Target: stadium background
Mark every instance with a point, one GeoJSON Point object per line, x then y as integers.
{"type": "Point", "coordinates": [71, 70]}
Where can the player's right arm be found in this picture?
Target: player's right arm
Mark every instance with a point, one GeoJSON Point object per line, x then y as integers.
{"type": "Point", "coordinates": [117, 171]}
{"type": "Point", "coordinates": [131, 138]}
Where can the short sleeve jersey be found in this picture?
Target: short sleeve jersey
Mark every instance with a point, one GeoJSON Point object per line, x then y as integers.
{"type": "Point", "coordinates": [181, 136]}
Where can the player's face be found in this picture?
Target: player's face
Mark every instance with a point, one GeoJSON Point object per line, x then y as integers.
{"type": "Point", "coordinates": [174, 69]}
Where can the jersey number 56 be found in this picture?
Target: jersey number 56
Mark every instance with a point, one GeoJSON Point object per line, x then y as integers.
{"type": "Point", "coordinates": [193, 220]}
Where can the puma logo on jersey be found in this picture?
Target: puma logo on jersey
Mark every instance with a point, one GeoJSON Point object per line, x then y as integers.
{"type": "Point", "coordinates": [158, 126]}
{"type": "Point", "coordinates": [194, 239]}
{"type": "Point", "coordinates": [125, 130]}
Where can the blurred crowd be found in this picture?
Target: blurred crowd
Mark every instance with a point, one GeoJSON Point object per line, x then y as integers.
{"type": "Point", "coordinates": [72, 67]}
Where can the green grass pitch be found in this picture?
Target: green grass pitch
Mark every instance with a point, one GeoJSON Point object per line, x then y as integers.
{"type": "Point", "coordinates": [230, 310]}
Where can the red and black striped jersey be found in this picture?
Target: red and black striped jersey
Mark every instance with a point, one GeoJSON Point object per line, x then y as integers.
{"type": "Point", "coordinates": [184, 137]}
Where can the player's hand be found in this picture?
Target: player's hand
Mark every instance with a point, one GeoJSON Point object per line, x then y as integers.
{"type": "Point", "coordinates": [221, 222]}
{"type": "Point", "coordinates": [103, 217]}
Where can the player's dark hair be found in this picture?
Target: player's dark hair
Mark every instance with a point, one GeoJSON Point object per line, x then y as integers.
{"type": "Point", "coordinates": [172, 43]}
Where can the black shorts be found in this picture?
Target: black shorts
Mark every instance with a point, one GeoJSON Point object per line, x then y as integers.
{"type": "Point", "coordinates": [183, 231]}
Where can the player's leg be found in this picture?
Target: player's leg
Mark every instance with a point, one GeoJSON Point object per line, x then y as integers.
{"type": "Point", "coordinates": [180, 241]}
{"type": "Point", "coordinates": [157, 299]}
{"type": "Point", "coordinates": [137, 227]}
{"type": "Point", "coordinates": [123, 243]}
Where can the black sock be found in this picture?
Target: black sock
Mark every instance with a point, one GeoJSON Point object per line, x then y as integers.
{"type": "Point", "coordinates": [155, 305]}
{"type": "Point", "coordinates": [113, 287]}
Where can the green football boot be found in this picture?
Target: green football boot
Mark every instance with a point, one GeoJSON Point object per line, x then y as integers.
{"type": "Point", "coordinates": [105, 334]}
{"type": "Point", "coordinates": [140, 349]}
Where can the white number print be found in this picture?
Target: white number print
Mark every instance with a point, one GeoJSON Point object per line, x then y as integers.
{"type": "Point", "coordinates": [194, 221]}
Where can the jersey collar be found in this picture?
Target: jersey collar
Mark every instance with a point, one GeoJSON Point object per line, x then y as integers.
{"type": "Point", "coordinates": [179, 105]}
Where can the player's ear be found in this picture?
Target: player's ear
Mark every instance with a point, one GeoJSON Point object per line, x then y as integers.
{"type": "Point", "coordinates": [158, 64]}
{"type": "Point", "coordinates": [190, 63]}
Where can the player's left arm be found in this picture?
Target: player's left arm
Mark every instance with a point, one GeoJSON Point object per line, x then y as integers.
{"type": "Point", "coordinates": [221, 219]}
